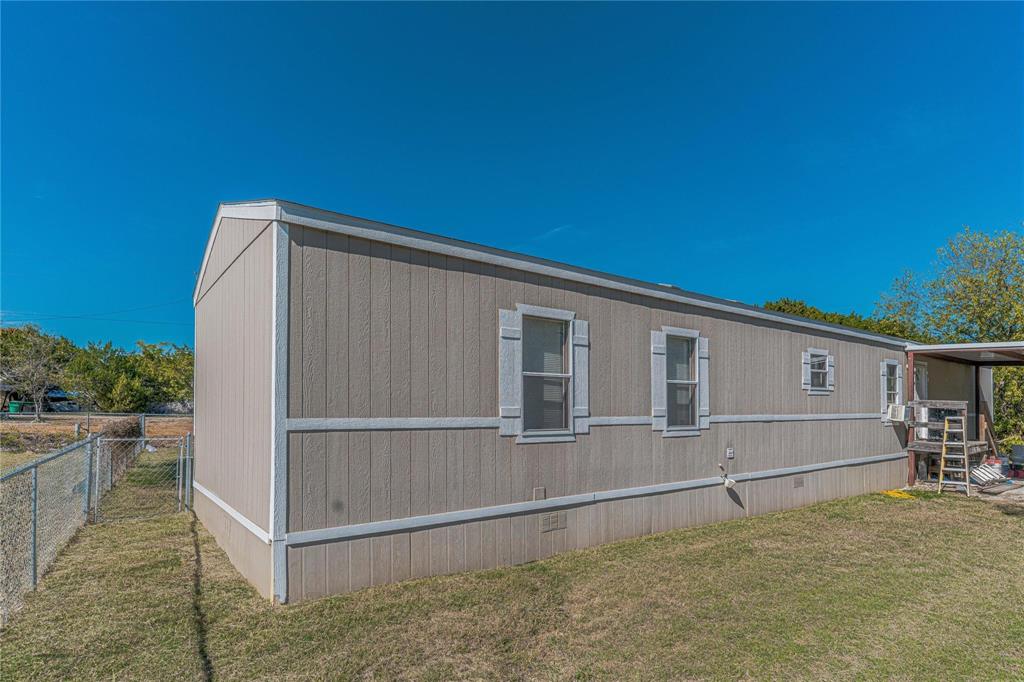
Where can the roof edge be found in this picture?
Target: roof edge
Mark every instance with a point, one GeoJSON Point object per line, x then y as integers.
{"type": "Point", "coordinates": [262, 209]}
{"type": "Point", "coordinates": [309, 216]}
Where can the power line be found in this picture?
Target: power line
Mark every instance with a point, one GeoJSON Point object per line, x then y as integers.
{"type": "Point", "coordinates": [36, 316]}
{"type": "Point", "coordinates": [21, 320]}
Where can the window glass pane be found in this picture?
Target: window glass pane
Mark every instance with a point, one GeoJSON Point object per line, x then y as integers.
{"type": "Point", "coordinates": [545, 403]}
{"type": "Point", "coordinates": [681, 408]}
{"type": "Point", "coordinates": [891, 384]}
{"type": "Point", "coordinates": [819, 370]}
{"type": "Point", "coordinates": [544, 345]}
{"type": "Point", "coordinates": [679, 359]}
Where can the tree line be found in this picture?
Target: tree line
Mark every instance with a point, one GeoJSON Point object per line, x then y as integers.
{"type": "Point", "coordinates": [152, 376]}
{"type": "Point", "coordinates": [973, 293]}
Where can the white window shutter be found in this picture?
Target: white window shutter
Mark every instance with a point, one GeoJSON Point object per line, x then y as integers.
{"type": "Point", "coordinates": [805, 371]}
{"type": "Point", "coordinates": [510, 371]}
{"type": "Point", "coordinates": [831, 372]}
{"type": "Point", "coordinates": [899, 383]}
{"type": "Point", "coordinates": [704, 382]}
{"type": "Point", "coordinates": [581, 376]}
{"type": "Point", "coordinates": [885, 401]}
{"type": "Point", "coordinates": [659, 391]}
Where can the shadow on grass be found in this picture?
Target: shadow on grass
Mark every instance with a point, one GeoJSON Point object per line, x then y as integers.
{"type": "Point", "coordinates": [198, 616]}
{"type": "Point", "coordinates": [1015, 510]}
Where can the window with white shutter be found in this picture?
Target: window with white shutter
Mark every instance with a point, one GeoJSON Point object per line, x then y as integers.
{"type": "Point", "coordinates": [680, 393]}
{"type": "Point", "coordinates": [818, 372]}
{"type": "Point", "coordinates": [891, 386]}
{"type": "Point", "coordinates": [543, 368]}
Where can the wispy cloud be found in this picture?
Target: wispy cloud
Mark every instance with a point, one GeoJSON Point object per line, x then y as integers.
{"type": "Point", "coordinates": [545, 236]}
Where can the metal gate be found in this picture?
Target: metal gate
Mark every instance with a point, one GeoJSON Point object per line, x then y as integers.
{"type": "Point", "coordinates": [137, 478]}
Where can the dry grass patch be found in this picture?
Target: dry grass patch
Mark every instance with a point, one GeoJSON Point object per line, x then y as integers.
{"type": "Point", "coordinates": [872, 587]}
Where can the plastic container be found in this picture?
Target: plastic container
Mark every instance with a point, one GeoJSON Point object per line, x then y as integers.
{"type": "Point", "coordinates": [14, 407]}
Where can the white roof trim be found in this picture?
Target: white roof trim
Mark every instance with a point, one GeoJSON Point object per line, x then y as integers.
{"type": "Point", "coordinates": [254, 210]}
{"type": "Point", "coordinates": [329, 221]}
{"type": "Point", "coordinates": [1006, 345]}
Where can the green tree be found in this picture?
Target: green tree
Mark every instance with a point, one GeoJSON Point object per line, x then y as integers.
{"type": "Point", "coordinates": [115, 380]}
{"type": "Point", "coordinates": [32, 362]}
{"type": "Point", "coordinates": [973, 293]}
{"type": "Point", "coordinates": [167, 369]}
{"type": "Point", "coordinates": [888, 325]}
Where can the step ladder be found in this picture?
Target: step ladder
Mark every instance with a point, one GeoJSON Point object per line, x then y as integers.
{"type": "Point", "coordinates": [954, 455]}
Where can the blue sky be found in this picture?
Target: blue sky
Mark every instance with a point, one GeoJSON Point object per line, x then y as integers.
{"type": "Point", "coordinates": [712, 146]}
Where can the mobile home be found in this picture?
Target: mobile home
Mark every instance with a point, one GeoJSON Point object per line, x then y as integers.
{"type": "Point", "coordinates": [375, 403]}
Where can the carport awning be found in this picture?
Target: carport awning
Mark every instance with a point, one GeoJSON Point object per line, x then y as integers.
{"type": "Point", "coordinates": [981, 354]}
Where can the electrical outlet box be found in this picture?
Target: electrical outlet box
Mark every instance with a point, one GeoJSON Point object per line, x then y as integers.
{"type": "Point", "coordinates": [730, 453]}
{"type": "Point", "coordinates": [540, 494]}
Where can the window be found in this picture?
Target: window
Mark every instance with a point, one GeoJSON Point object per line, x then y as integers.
{"type": "Point", "coordinates": [818, 375]}
{"type": "Point", "coordinates": [681, 376]}
{"type": "Point", "coordinates": [543, 374]}
{"type": "Point", "coordinates": [680, 394]}
{"type": "Point", "coordinates": [546, 375]}
{"type": "Point", "coordinates": [891, 385]}
{"type": "Point", "coordinates": [819, 371]}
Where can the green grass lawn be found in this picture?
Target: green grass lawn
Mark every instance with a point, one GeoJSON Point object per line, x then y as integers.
{"type": "Point", "coordinates": [871, 587]}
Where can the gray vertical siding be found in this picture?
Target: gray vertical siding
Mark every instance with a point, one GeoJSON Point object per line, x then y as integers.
{"type": "Point", "coordinates": [383, 331]}
{"type": "Point", "coordinates": [953, 381]}
{"type": "Point", "coordinates": [233, 391]}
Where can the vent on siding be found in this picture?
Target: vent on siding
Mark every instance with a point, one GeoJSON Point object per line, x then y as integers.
{"type": "Point", "coordinates": [552, 521]}
{"type": "Point", "coordinates": [798, 481]}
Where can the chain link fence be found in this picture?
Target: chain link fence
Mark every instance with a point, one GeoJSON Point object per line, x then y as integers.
{"type": "Point", "coordinates": [99, 479]}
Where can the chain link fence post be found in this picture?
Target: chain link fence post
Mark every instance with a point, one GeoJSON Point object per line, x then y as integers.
{"type": "Point", "coordinates": [181, 470]}
{"type": "Point", "coordinates": [35, 526]}
{"type": "Point", "coordinates": [188, 471]}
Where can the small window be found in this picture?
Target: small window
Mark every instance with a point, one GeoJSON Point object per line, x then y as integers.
{"type": "Point", "coordinates": [819, 371]}
{"type": "Point", "coordinates": [681, 377]}
{"type": "Point", "coordinates": [680, 388]}
{"type": "Point", "coordinates": [546, 374]}
{"type": "Point", "coordinates": [892, 384]}
{"type": "Point", "coordinates": [818, 374]}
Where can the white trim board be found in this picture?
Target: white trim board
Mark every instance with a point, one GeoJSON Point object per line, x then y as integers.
{"type": "Point", "coordinates": [279, 411]}
{"type": "Point", "coordinates": [376, 528]}
{"type": "Point", "coordinates": [300, 424]}
{"type": "Point", "coordinates": [233, 513]}
{"type": "Point", "coordinates": [389, 423]}
{"type": "Point", "coordinates": [381, 232]}
{"type": "Point", "coordinates": [254, 210]}
{"type": "Point", "coordinates": [745, 418]}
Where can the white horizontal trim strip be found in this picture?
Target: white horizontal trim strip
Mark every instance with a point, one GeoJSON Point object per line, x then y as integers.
{"type": "Point", "coordinates": [390, 234]}
{"type": "Point", "coordinates": [741, 418]}
{"type": "Point", "coordinates": [362, 530]}
{"type": "Point", "coordinates": [389, 423]}
{"type": "Point", "coordinates": [1008, 345]}
{"type": "Point", "coordinates": [233, 513]}
{"type": "Point", "coordinates": [441, 423]}
{"type": "Point", "coordinates": [620, 421]}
